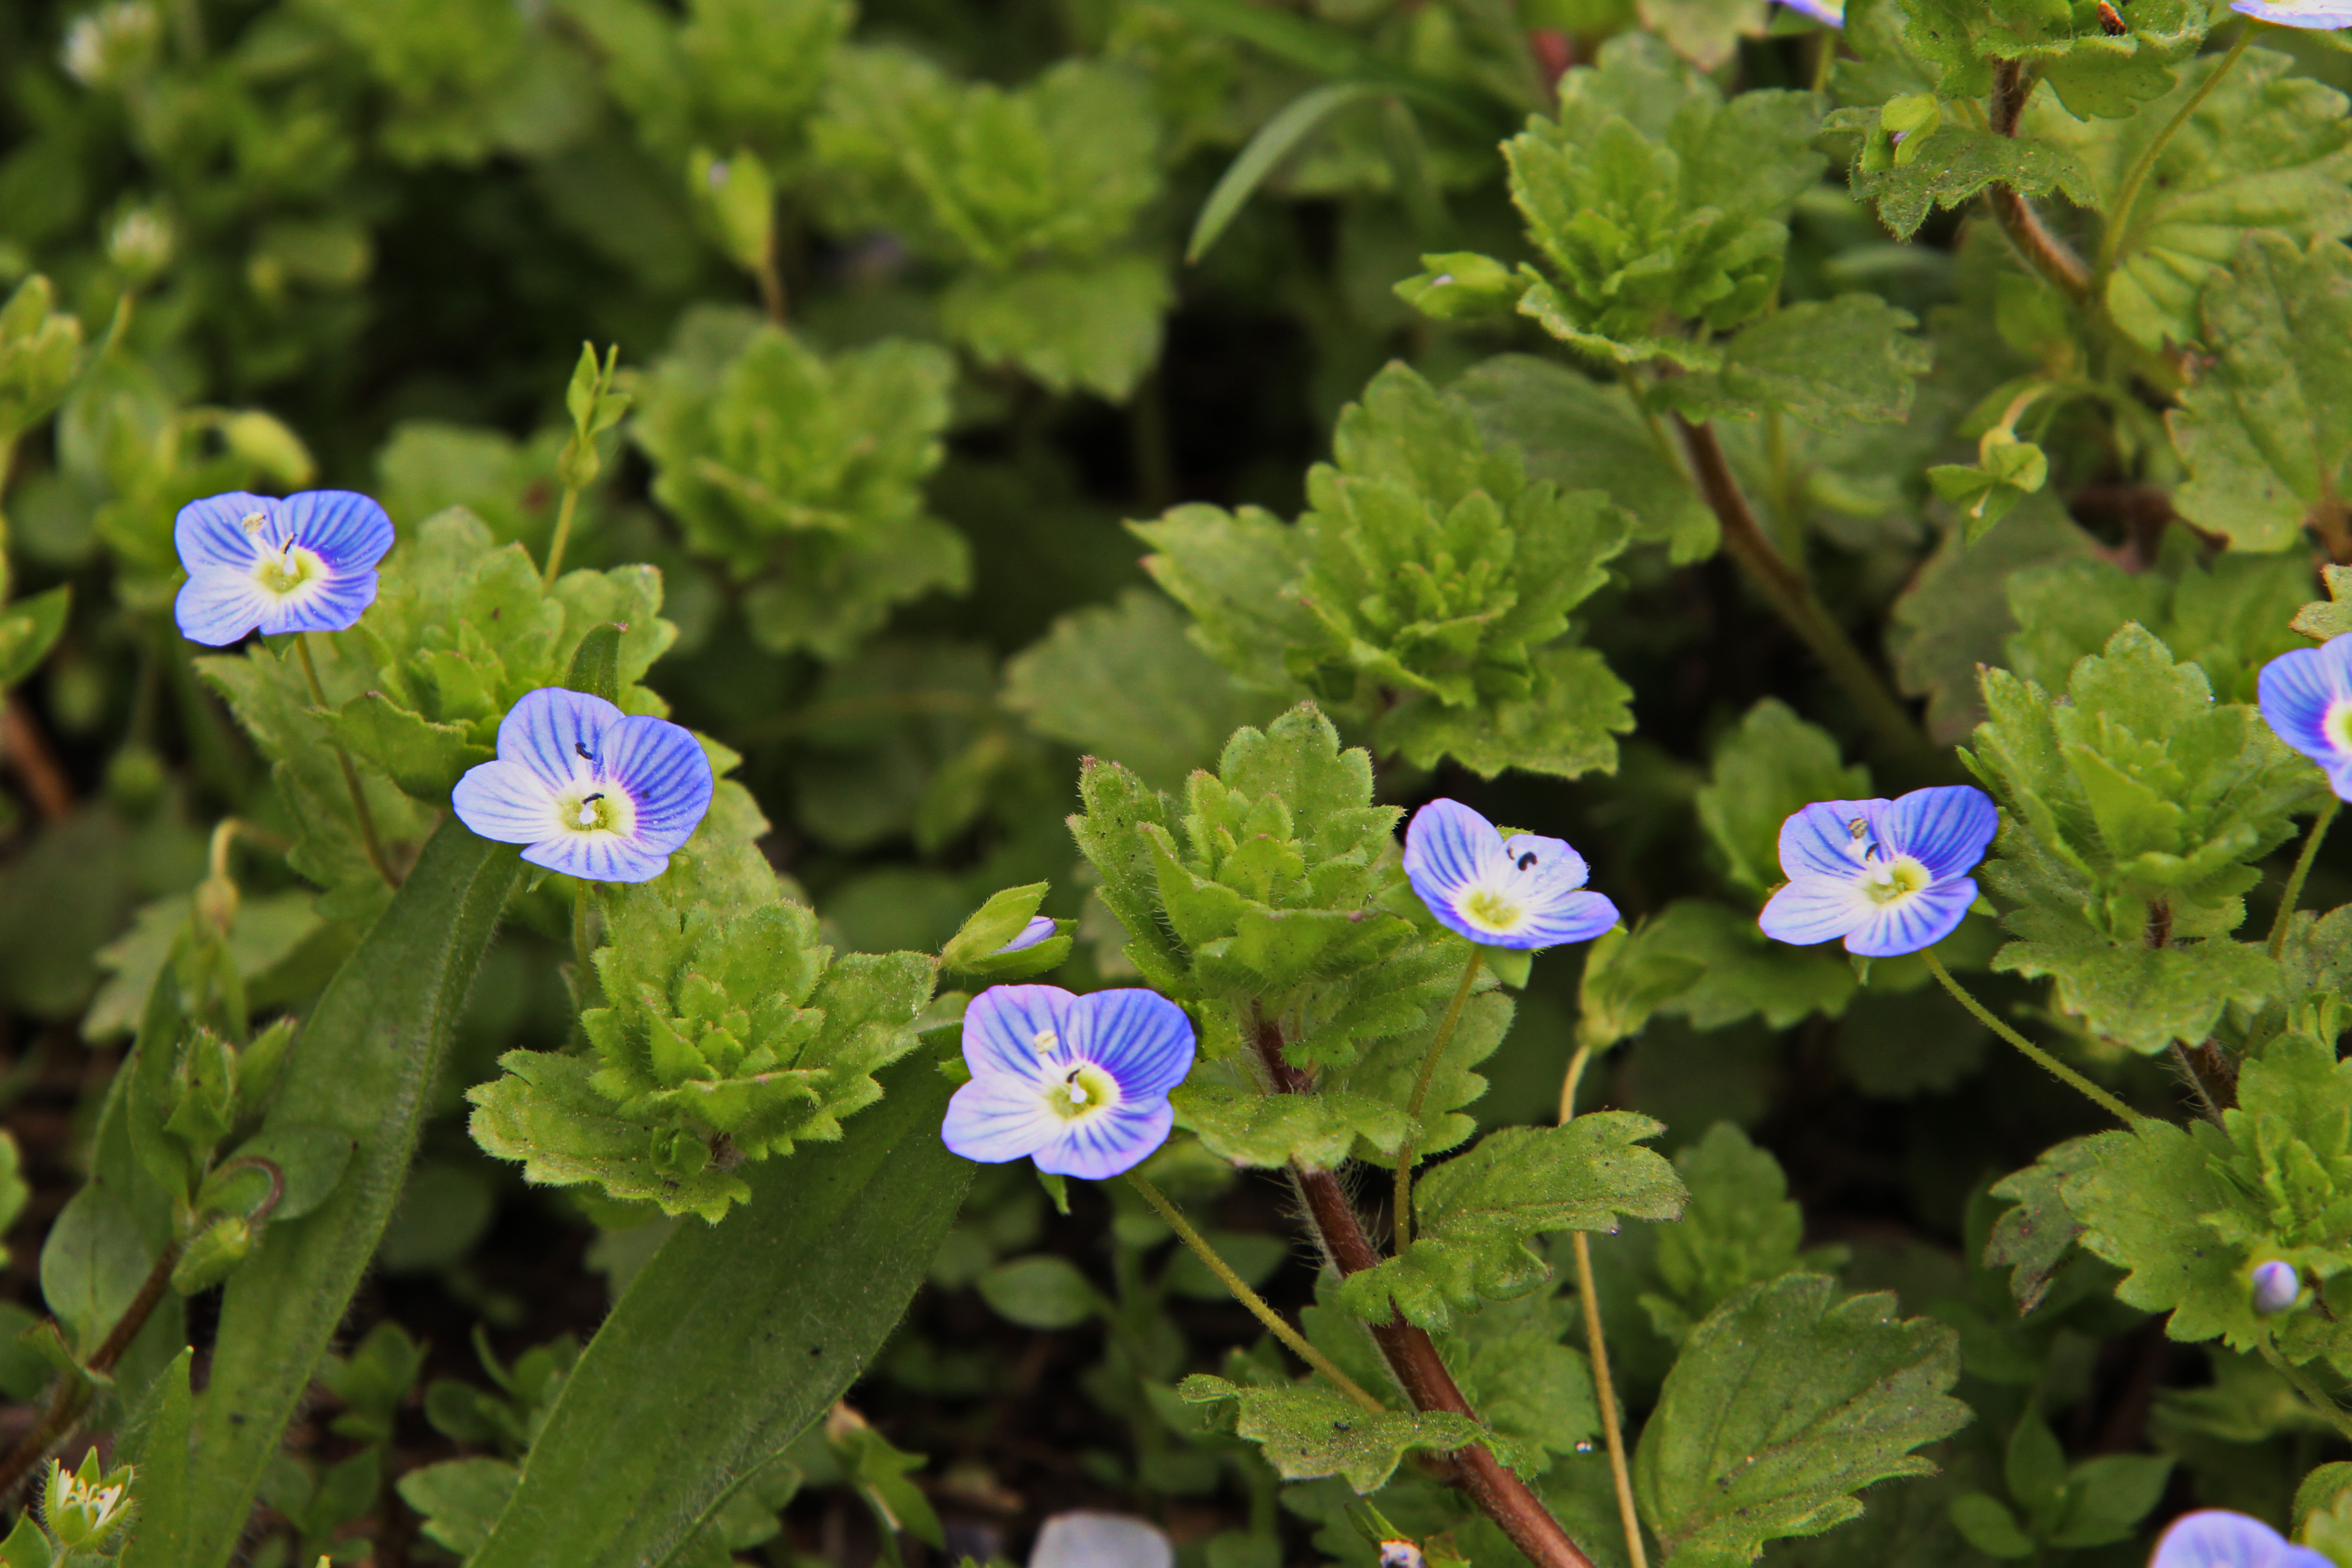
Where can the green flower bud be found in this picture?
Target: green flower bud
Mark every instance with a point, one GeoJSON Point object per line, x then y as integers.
{"type": "Point", "coordinates": [213, 1256]}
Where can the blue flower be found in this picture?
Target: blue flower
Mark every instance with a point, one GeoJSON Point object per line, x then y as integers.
{"type": "Point", "coordinates": [2276, 1287]}
{"type": "Point", "coordinates": [1078, 1084]}
{"type": "Point", "coordinates": [2307, 696]}
{"type": "Point", "coordinates": [1521, 892]}
{"type": "Point", "coordinates": [1889, 876]}
{"type": "Point", "coordinates": [2216, 1538]}
{"type": "Point", "coordinates": [1037, 930]}
{"type": "Point", "coordinates": [306, 563]}
{"type": "Point", "coordinates": [595, 793]}
{"type": "Point", "coordinates": [2320, 17]}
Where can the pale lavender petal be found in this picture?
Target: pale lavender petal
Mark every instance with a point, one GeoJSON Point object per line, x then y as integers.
{"type": "Point", "coordinates": [212, 532]}
{"type": "Point", "coordinates": [343, 528]}
{"type": "Point", "coordinates": [505, 802]}
{"type": "Point", "coordinates": [216, 607]}
{"type": "Point", "coordinates": [1448, 848]}
{"type": "Point", "coordinates": [1829, 11]}
{"type": "Point", "coordinates": [1819, 840]}
{"type": "Point", "coordinates": [1098, 1148]}
{"type": "Point", "coordinates": [994, 1119]}
{"type": "Point", "coordinates": [1816, 908]}
{"type": "Point", "coordinates": [1039, 928]}
{"type": "Point", "coordinates": [330, 604]}
{"type": "Point", "coordinates": [1004, 1024]}
{"type": "Point", "coordinates": [1946, 829]}
{"type": "Point", "coordinates": [1100, 1540]}
{"type": "Point", "coordinates": [2316, 18]}
{"type": "Point", "coordinates": [2297, 690]}
{"type": "Point", "coordinates": [557, 734]}
{"type": "Point", "coordinates": [597, 857]}
{"type": "Point", "coordinates": [1140, 1037]}
{"type": "Point", "coordinates": [2216, 1538]}
{"type": "Point", "coordinates": [1551, 867]}
{"type": "Point", "coordinates": [1909, 924]}
{"type": "Point", "coordinates": [665, 773]}
{"type": "Point", "coordinates": [1572, 917]}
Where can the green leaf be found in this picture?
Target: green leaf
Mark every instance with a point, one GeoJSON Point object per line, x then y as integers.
{"type": "Point", "coordinates": [1124, 683]}
{"type": "Point", "coordinates": [1823, 363]}
{"type": "Point", "coordinates": [1737, 1227]}
{"type": "Point", "coordinates": [1309, 1432]}
{"type": "Point", "coordinates": [1628, 976]}
{"type": "Point", "coordinates": [425, 758]}
{"type": "Point", "coordinates": [373, 1044]}
{"type": "Point", "coordinates": [596, 663]}
{"type": "Point", "coordinates": [2267, 149]}
{"type": "Point", "coordinates": [1705, 32]}
{"type": "Point", "coordinates": [975, 947]}
{"type": "Point", "coordinates": [1771, 767]}
{"type": "Point", "coordinates": [1784, 1403]}
{"type": "Point", "coordinates": [92, 1265]}
{"type": "Point", "coordinates": [1582, 433]}
{"type": "Point", "coordinates": [1320, 1131]}
{"type": "Point", "coordinates": [458, 1501]}
{"type": "Point", "coordinates": [1743, 972]}
{"type": "Point", "coordinates": [1952, 165]}
{"type": "Point", "coordinates": [1091, 326]}
{"type": "Point", "coordinates": [1990, 1527]}
{"type": "Point", "coordinates": [40, 348]}
{"type": "Point", "coordinates": [28, 630]}
{"type": "Point", "coordinates": [2331, 616]}
{"type": "Point", "coordinates": [1476, 1213]}
{"type": "Point", "coordinates": [2107, 1497]}
{"type": "Point", "coordinates": [818, 1267]}
{"type": "Point", "coordinates": [159, 1538]}
{"type": "Point", "coordinates": [1040, 1292]}
{"type": "Point", "coordinates": [1297, 121]}
{"type": "Point", "coordinates": [2142, 997]}
{"type": "Point", "coordinates": [2032, 1237]}
{"type": "Point", "coordinates": [2266, 428]}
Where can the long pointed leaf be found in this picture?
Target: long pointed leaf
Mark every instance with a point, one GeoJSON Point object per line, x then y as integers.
{"type": "Point", "coordinates": [159, 1446]}
{"type": "Point", "coordinates": [735, 1338]}
{"type": "Point", "coordinates": [1325, 50]}
{"type": "Point", "coordinates": [362, 1065]}
{"type": "Point", "coordinates": [1272, 143]}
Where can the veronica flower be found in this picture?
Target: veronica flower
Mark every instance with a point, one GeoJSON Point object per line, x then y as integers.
{"type": "Point", "coordinates": [2216, 1538]}
{"type": "Point", "coordinates": [1521, 892]}
{"type": "Point", "coordinates": [2276, 1287]}
{"type": "Point", "coordinates": [2315, 15]}
{"type": "Point", "coordinates": [2307, 696]}
{"type": "Point", "coordinates": [1037, 930]}
{"type": "Point", "coordinates": [595, 793]}
{"type": "Point", "coordinates": [1078, 1084]}
{"type": "Point", "coordinates": [1889, 876]}
{"type": "Point", "coordinates": [306, 563]}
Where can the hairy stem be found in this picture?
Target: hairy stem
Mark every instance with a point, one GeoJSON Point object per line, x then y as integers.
{"type": "Point", "coordinates": [2315, 1395]}
{"type": "Point", "coordinates": [1604, 1387]}
{"type": "Point", "coordinates": [562, 537]}
{"type": "Point", "coordinates": [1275, 1321]}
{"type": "Point", "coordinates": [1412, 1356]}
{"type": "Point", "coordinates": [2295, 878]}
{"type": "Point", "coordinates": [372, 844]}
{"type": "Point", "coordinates": [2049, 255]}
{"type": "Point", "coordinates": [1407, 1150]}
{"type": "Point", "coordinates": [72, 1393]}
{"type": "Point", "coordinates": [1793, 598]}
{"type": "Point", "coordinates": [2111, 239]}
{"type": "Point", "coordinates": [1960, 994]}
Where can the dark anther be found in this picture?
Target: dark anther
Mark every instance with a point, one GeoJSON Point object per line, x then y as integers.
{"type": "Point", "coordinates": [585, 754]}
{"type": "Point", "coordinates": [587, 799]}
{"type": "Point", "coordinates": [1526, 859]}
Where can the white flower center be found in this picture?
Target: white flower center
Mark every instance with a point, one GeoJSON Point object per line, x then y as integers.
{"type": "Point", "coordinates": [1084, 1090]}
{"type": "Point", "coordinates": [287, 571]}
{"type": "Point", "coordinates": [2337, 725]}
{"type": "Point", "coordinates": [598, 808]}
{"type": "Point", "coordinates": [1488, 910]}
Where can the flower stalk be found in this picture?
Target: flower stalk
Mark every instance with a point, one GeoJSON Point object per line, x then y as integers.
{"type": "Point", "coordinates": [1409, 1150]}
{"type": "Point", "coordinates": [369, 840]}
{"type": "Point", "coordinates": [1983, 1014]}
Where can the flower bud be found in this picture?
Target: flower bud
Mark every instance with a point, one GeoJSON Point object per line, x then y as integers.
{"type": "Point", "coordinates": [2276, 1286]}
{"type": "Point", "coordinates": [140, 245]}
{"type": "Point", "coordinates": [86, 1508]}
{"type": "Point", "coordinates": [213, 1256]}
{"type": "Point", "coordinates": [106, 46]}
{"type": "Point", "coordinates": [216, 904]}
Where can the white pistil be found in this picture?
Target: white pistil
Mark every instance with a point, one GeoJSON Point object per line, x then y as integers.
{"type": "Point", "coordinates": [1077, 1091]}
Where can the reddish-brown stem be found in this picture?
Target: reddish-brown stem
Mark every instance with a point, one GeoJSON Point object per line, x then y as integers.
{"type": "Point", "coordinates": [27, 752]}
{"type": "Point", "coordinates": [73, 1392]}
{"type": "Point", "coordinates": [1413, 1358]}
{"type": "Point", "coordinates": [2049, 255]}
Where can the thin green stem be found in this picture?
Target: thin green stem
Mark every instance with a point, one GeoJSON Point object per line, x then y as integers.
{"type": "Point", "coordinates": [2317, 1396]}
{"type": "Point", "coordinates": [581, 949]}
{"type": "Point", "coordinates": [369, 841]}
{"type": "Point", "coordinates": [2111, 242]}
{"type": "Point", "coordinates": [1273, 1320]}
{"type": "Point", "coordinates": [2106, 1102]}
{"type": "Point", "coordinates": [1596, 1344]}
{"type": "Point", "coordinates": [564, 512]}
{"type": "Point", "coordinates": [2295, 878]}
{"type": "Point", "coordinates": [1407, 1150]}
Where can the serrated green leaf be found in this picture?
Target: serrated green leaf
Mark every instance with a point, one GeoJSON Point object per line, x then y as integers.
{"type": "Point", "coordinates": [2331, 616]}
{"type": "Point", "coordinates": [1737, 1227]}
{"type": "Point", "coordinates": [1785, 1403]}
{"type": "Point", "coordinates": [1309, 1432]}
{"type": "Point", "coordinates": [1955, 162]}
{"type": "Point", "coordinates": [2266, 429]}
{"type": "Point", "coordinates": [1823, 363]}
{"type": "Point", "coordinates": [425, 758]}
{"type": "Point", "coordinates": [2030, 1238]}
{"type": "Point", "coordinates": [1092, 326]}
{"type": "Point", "coordinates": [1270, 1130]}
{"type": "Point", "coordinates": [1745, 974]}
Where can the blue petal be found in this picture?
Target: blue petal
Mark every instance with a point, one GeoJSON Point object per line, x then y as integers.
{"type": "Point", "coordinates": [216, 607]}
{"type": "Point", "coordinates": [1816, 908]}
{"type": "Point", "coordinates": [1556, 867]}
{"type": "Point", "coordinates": [1829, 11]}
{"type": "Point", "coordinates": [1002, 1026]}
{"type": "Point", "coordinates": [2216, 1538]}
{"type": "Point", "coordinates": [994, 1119]}
{"type": "Point", "coordinates": [328, 605]}
{"type": "Point", "coordinates": [343, 528]}
{"type": "Point", "coordinates": [1946, 829]}
{"type": "Point", "coordinates": [1039, 928]}
{"type": "Point", "coordinates": [1818, 841]}
{"type": "Point", "coordinates": [597, 857]}
{"type": "Point", "coordinates": [665, 773]}
{"type": "Point", "coordinates": [1921, 920]}
{"type": "Point", "coordinates": [1100, 1147]}
{"type": "Point", "coordinates": [1448, 848]}
{"type": "Point", "coordinates": [1569, 917]}
{"type": "Point", "coordinates": [547, 730]}
{"type": "Point", "coordinates": [2297, 690]}
{"type": "Point", "coordinates": [2339, 778]}
{"type": "Point", "coordinates": [2287, 14]}
{"type": "Point", "coordinates": [212, 532]}
{"type": "Point", "coordinates": [506, 803]}
{"type": "Point", "coordinates": [1140, 1037]}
